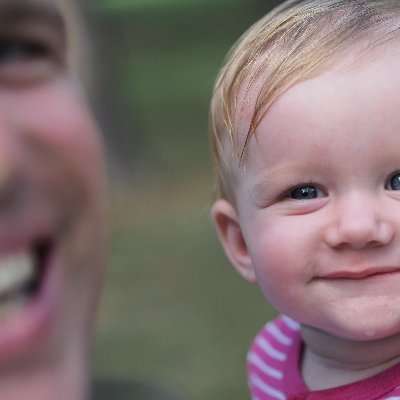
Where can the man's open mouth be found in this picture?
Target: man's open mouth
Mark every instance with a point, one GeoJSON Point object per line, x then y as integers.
{"type": "Point", "coordinates": [21, 277]}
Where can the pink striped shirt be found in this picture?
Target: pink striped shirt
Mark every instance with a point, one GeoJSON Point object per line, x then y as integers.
{"type": "Point", "coordinates": [274, 374]}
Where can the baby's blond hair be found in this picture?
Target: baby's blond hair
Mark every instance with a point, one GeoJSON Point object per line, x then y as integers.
{"type": "Point", "coordinates": [292, 43]}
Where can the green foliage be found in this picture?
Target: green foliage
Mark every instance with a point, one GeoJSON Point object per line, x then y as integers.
{"type": "Point", "coordinates": [135, 5]}
{"type": "Point", "coordinates": [174, 311]}
{"type": "Point", "coordinates": [161, 65]}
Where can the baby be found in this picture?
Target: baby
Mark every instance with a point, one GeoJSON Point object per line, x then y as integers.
{"type": "Point", "coordinates": [305, 130]}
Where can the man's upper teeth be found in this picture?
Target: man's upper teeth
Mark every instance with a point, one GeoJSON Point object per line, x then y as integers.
{"type": "Point", "coordinates": [16, 270]}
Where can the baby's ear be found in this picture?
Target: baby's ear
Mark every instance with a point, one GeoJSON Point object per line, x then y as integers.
{"type": "Point", "coordinates": [230, 234]}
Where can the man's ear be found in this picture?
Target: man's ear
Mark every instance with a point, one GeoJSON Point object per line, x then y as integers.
{"type": "Point", "coordinates": [230, 234]}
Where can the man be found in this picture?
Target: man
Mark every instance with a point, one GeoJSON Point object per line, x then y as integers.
{"type": "Point", "coordinates": [52, 236]}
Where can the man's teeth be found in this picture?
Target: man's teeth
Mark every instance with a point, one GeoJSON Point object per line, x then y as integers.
{"type": "Point", "coordinates": [16, 271]}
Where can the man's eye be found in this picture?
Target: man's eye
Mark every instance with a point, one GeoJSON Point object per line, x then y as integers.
{"type": "Point", "coordinates": [306, 192]}
{"type": "Point", "coordinates": [394, 182]}
{"type": "Point", "coordinates": [14, 50]}
{"type": "Point", "coordinates": [27, 60]}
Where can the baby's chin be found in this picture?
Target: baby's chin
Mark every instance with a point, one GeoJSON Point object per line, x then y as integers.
{"type": "Point", "coordinates": [370, 326]}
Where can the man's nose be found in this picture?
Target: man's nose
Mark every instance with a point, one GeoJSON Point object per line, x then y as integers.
{"type": "Point", "coordinates": [360, 220]}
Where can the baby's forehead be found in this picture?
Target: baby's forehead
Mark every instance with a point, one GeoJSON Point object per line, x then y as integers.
{"type": "Point", "coordinates": [252, 96]}
{"type": "Point", "coordinates": [296, 42]}
{"type": "Point", "coordinates": [336, 73]}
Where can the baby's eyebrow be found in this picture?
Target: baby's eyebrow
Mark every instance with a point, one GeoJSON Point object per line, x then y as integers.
{"type": "Point", "coordinates": [291, 174]}
{"type": "Point", "coordinates": [43, 13]}
{"type": "Point", "coordinates": [267, 180]}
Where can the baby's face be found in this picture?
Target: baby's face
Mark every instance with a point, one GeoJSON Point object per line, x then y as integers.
{"type": "Point", "coordinates": [317, 221]}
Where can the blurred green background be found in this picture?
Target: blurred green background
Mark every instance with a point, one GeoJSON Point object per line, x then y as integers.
{"type": "Point", "coordinates": [174, 312]}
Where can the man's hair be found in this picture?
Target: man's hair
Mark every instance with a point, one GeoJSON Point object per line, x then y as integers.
{"type": "Point", "coordinates": [292, 43]}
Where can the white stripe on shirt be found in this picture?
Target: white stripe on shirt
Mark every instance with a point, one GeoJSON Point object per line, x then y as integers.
{"type": "Point", "coordinates": [291, 323]}
{"type": "Point", "coordinates": [257, 382]}
{"type": "Point", "coordinates": [254, 359]}
{"type": "Point", "coordinates": [269, 350]}
{"type": "Point", "coordinates": [279, 335]}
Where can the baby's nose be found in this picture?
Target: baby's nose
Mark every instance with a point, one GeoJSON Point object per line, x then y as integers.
{"type": "Point", "coordinates": [359, 221]}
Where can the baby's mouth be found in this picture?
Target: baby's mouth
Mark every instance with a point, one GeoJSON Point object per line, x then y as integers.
{"type": "Point", "coordinates": [21, 275]}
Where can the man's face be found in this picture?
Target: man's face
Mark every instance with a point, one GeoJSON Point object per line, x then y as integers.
{"type": "Point", "coordinates": [51, 194]}
{"type": "Point", "coordinates": [317, 221]}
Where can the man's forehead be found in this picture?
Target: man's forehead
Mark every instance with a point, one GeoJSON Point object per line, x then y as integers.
{"type": "Point", "coordinates": [45, 16]}
{"type": "Point", "coordinates": [20, 10]}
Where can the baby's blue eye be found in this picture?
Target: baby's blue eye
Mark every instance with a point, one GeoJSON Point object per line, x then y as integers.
{"type": "Point", "coordinates": [307, 192]}
{"type": "Point", "coordinates": [394, 182]}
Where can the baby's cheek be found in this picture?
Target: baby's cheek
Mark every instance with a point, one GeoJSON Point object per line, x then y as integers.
{"type": "Point", "coordinates": [282, 269]}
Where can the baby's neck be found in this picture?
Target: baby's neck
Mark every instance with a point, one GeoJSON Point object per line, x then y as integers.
{"type": "Point", "coordinates": [329, 361]}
